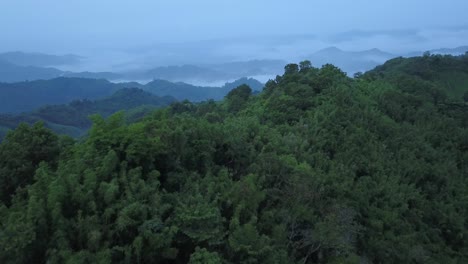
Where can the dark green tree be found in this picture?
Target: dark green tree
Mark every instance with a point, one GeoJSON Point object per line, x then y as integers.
{"type": "Point", "coordinates": [305, 65]}
{"type": "Point", "coordinates": [237, 98]}
{"type": "Point", "coordinates": [291, 68]}
{"type": "Point", "coordinates": [20, 154]}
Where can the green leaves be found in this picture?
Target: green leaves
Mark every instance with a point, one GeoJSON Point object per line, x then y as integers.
{"type": "Point", "coordinates": [203, 256]}
{"type": "Point", "coordinates": [237, 98]}
{"type": "Point", "coordinates": [20, 155]}
{"type": "Point", "coordinates": [198, 219]}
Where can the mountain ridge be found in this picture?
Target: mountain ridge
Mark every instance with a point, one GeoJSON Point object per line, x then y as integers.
{"type": "Point", "coordinates": [26, 96]}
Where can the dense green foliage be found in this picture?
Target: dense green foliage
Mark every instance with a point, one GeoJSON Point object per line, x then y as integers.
{"type": "Point", "coordinates": [447, 71]}
{"type": "Point", "coordinates": [73, 119]}
{"type": "Point", "coordinates": [318, 168]}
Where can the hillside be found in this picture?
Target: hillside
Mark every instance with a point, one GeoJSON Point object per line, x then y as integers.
{"type": "Point", "coordinates": [444, 72]}
{"type": "Point", "coordinates": [73, 119]}
{"type": "Point", "coordinates": [317, 168]}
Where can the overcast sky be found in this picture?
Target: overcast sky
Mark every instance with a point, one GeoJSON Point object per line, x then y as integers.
{"type": "Point", "coordinates": [132, 33]}
{"type": "Point", "coordinates": [74, 24]}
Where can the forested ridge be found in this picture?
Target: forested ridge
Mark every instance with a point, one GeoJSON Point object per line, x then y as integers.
{"type": "Point", "coordinates": [30, 95]}
{"type": "Point", "coordinates": [73, 119]}
{"type": "Point", "coordinates": [317, 168]}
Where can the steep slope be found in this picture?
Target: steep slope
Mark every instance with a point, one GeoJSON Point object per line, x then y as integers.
{"type": "Point", "coordinates": [447, 73]}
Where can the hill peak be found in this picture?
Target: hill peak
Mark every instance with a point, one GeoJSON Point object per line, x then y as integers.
{"type": "Point", "coordinates": [332, 49]}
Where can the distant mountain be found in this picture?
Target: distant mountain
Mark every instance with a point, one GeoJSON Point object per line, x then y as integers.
{"type": "Point", "coordinates": [183, 91]}
{"type": "Point", "coordinates": [250, 68]}
{"type": "Point", "coordinates": [73, 118]}
{"type": "Point", "coordinates": [350, 61]}
{"type": "Point", "coordinates": [375, 53]}
{"type": "Point", "coordinates": [209, 72]}
{"type": "Point", "coordinates": [443, 51]}
{"type": "Point", "coordinates": [38, 59]}
{"type": "Point", "coordinates": [93, 75]}
{"type": "Point", "coordinates": [455, 51]}
{"type": "Point", "coordinates": [361, 61]}
{"type": "Point", "coordinates": [180, 73]}
{"type": "Point", "coordinates": [252, 83]}
{"type": "Point", "coordinates": [10, 72]}
{"type": "Point", "coordinates": [26, 96]}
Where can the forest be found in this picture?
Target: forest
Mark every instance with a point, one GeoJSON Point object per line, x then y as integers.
{"type": "Point", "coordinates": [318, 167]}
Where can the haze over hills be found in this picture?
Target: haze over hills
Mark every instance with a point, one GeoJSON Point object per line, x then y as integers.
{"type": "Point", "coordinates": [455, 51]}
{"type": "Point", "coordinates": [39, 59]}
{"type": "Point", "coordinates": [17, 66]}
{"type": "Point", "coordinates": [361, 61]}
{"type": "Point", "coordinates": [10, 72]}
{"type": "Point", "coordinates": [28, 70]}
{"type": "Point", "coordinates": [26, 67]}
{"type": "Point", "coordinates": [209, 72]}
{"type": "Point", "coordinates": [350, 61]}
{"type": "Point", "coordinates": [182, 91]}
